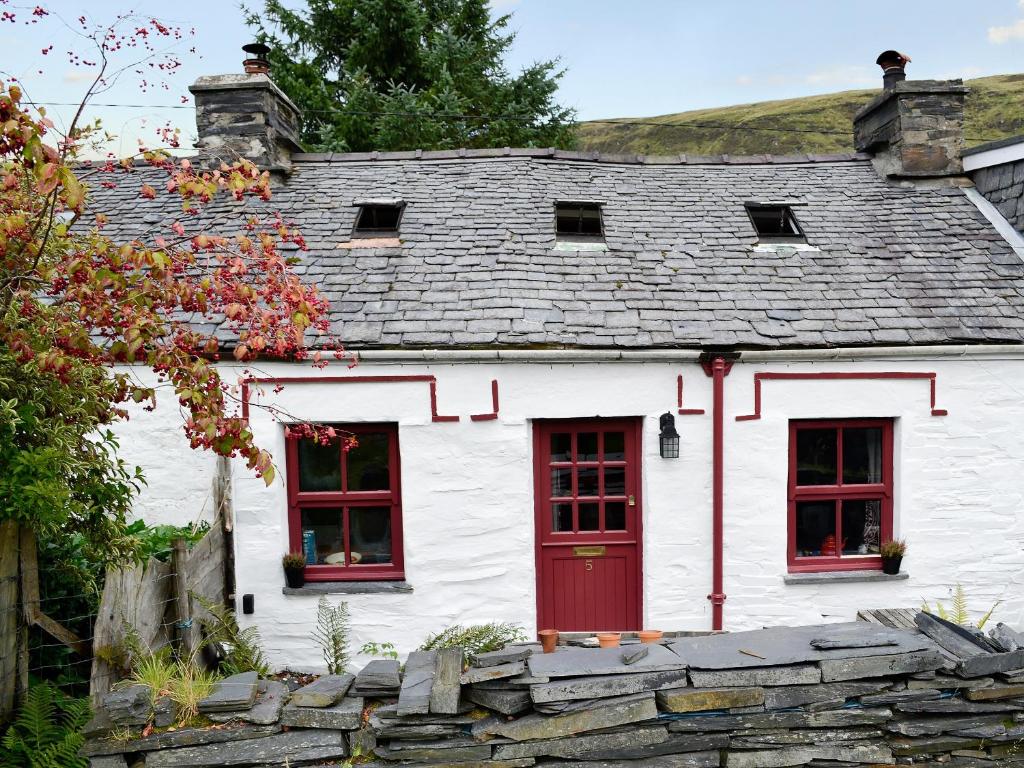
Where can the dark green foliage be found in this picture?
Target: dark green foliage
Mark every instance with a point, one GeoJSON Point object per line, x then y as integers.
{"type": "Point", "coordinates": [389, 74]}
{"type": "Point", "coordinates": [46, 732]}
{"type": "Point", "coordinates": [244, 653]}
{"type": "Point", "coordinates": [155, 540]}
{"type": "Point", "coordinates": [476, 638]}
{"type": "Point", "coordinates": [59, 473]}
{"type": "Point", "coordinates": [332, 634]}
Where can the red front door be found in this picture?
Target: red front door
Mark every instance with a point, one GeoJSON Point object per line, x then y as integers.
{"type": "Point", "coordinates": [587, 479]}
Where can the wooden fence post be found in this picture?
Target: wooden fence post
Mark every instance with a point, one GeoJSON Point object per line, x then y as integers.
{"type": "Point", "coordinates": [9, 618]}
{"type": "Point", "coordinates": [187, 631]}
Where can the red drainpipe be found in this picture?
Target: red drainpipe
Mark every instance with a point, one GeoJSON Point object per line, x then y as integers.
{"type": "Point", "coordinates": [718, 368]}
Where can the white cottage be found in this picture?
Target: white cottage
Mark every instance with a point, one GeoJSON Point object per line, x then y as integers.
{"type": "Point", "coordinates": [627, 392]}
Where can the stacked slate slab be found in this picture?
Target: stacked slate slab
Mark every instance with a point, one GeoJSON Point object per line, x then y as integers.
{"type": "Point", "coordinates": [834, 695]}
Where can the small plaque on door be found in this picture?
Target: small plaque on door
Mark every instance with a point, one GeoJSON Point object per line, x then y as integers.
{"type": "Point", "coordinates": [588, 551]}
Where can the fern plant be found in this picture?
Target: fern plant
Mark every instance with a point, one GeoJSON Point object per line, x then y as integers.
{"type": "Point", "coordinates": [959, 613]}
{"type": "Point", "coordinates": [242, 646]}
{"type": "Point", "coordinates": [331, 634]}
{"type": "Point", "coordinates": [46, 732]}
{"type": "Point", "coordinates": [476, 638]}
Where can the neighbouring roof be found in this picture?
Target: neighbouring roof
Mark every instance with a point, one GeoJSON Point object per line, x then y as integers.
{"type": "Point", "coordinates": [478, 264]}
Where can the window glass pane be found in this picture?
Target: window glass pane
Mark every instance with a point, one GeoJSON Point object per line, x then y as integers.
{"type": "Point", "coordinates": [614, 446]}
{"type": "Point", "coordinates": [614, 481]}
{"type": "Point", "coordinates": [561, 446]}
{"type": "Point", "coordinates": [816, 528]}
{"type": "Point", "coordinates": [370, 535]}
{"type": "Point", "coordinates": [816, 457]}
{"type": "Point", "coordinates": [615, 516]}
{"type": "Point", "coordinates": [587, 481]}
{"type": "Point", "coordinates": [322, 537]}
{"type": "Point", "coordinates": [319, 466]}
{"type": "Point", "coordinates": [368, 463]}
{"type": "Point", "coordinates": [561, 482]}
{"type": "Point", "coordinates": [862, 455]}
{"type": "Point", "coordinates": [588, 517]}
{"type": "Point", "coordinates": [586, 446]}
{"type": "Point", "coordinates": [561, 517]}
{"type": "Point", "coordinates": [862, 526]}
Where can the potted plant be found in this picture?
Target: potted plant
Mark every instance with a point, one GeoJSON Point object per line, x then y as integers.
{"type": "Point", "coordinates": [294, 569]}
{"type": "Point", "coordinates": [892, 552]}
{"type": "Point", "coordinates": [649, 636]}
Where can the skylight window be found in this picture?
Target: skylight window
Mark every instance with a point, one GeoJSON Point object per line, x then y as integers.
{"type": "Point", "coordinates": [775, 222]}
{"type": "Point", "coordinates": [377, 219]}
{"type": "Point", "coordinates": [578, 222]}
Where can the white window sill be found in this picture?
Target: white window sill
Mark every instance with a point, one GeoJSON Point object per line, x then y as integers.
{"type": "Point", "coordinates": [840, 577]}
{"type": "Point", "coordinates": [349, 588]}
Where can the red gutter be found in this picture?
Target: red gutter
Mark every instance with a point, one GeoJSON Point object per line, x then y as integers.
{"type": "Point", "coordinates": [718, 368]}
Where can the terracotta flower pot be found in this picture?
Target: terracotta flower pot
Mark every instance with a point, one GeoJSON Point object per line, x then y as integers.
{"type": "Point", "coordinates": [648, 636]}
{"type": "Point", "coordinates": [548, 640]}
{"type": "Point", "coordinates": [609, 639]}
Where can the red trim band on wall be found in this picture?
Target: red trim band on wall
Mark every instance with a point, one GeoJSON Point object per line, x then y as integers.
{"type": "Point", "coordinates": [892, 375]}
{"type": "Point", "coordinates": [282, 380]}
{"type": "Point", "coordinates": [494, 405]}
{"type": "Point", "coordinates": [679, 399]}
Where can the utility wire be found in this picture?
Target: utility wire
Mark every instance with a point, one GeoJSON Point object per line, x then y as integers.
{"type": "Point", "coordinates": [454, 116]}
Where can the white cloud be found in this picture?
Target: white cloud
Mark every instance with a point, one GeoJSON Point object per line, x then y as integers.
{"type": "Point", "coordinates": [1015, 31]}
{"type": "Point", "coordinates": [744, 80]}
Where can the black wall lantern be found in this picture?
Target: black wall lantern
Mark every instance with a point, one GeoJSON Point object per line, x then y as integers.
{"type": "Point", "coordinates": [668, 439]}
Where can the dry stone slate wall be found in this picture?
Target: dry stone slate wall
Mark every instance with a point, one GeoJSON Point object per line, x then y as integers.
{"type": "Point", "coordinates": [834, 695]}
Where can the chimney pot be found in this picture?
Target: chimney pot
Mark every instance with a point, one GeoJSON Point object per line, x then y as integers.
{"type": "Point", "coordinates": [257, 63]}
{"type": "Point", "coordinates": [893, 64]}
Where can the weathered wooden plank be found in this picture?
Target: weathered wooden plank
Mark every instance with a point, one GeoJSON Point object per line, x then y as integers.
{"type": "Point", "coordinates": [8, 617]}
{"type": "Point", "coordinates": [601, 687]}
{"type": "Point", "coordinates": [444, 693]}
{"type": "Point", "coordinates": [414, 698]}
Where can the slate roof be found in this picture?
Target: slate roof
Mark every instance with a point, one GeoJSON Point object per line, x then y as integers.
{"type": "Point", "coordinates": [478, 264]}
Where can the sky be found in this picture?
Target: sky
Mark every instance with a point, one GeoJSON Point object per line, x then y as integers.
{"type": "Point", "coordinates": [622, 58]}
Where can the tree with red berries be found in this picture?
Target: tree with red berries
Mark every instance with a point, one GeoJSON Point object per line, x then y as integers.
{"type": "Point", "coordinates": [80, 310]}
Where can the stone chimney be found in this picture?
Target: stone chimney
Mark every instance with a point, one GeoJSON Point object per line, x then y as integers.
{"type": "Point", "coordinates": [914, 128]}
{"type": "Point", "coordinates": [246, 115]}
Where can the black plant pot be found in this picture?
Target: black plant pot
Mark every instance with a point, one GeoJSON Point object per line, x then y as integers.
{"type": "Point", "coordinates": [891, 565]}
{"type": "Point", "coordinates": [295, 577]}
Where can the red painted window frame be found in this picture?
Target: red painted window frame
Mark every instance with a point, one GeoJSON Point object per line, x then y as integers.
{"type": "Point", "coordinates": [839, 492]}
{"type": "Point", "coordinates": [393, 571]}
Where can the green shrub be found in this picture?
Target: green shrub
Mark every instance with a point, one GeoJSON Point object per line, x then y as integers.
{"type": "Point", "coordinates": [46, 733]}
{"type": "Point", "coordinates": [476, 638]}
{"type": "Point", "coordinates": [242, 646]}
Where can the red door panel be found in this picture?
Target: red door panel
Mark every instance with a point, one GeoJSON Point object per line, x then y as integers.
{"type": "Point", "coordinates": [588, 523]}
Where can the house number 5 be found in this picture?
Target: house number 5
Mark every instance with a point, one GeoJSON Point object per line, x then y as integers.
{"type": "Point", "coordinates": [590, 565]}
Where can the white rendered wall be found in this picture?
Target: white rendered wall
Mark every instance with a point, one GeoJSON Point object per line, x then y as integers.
{"type": "Point", "coordinates": [179, 481]}
{"type": "Point", "coordinates": [468, 493]}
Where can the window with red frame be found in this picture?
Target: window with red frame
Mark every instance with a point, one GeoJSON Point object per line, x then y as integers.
{"type": "Point", "coordinates": [840, 494]}
{"type": "Point", "coordinates": [345, 507]}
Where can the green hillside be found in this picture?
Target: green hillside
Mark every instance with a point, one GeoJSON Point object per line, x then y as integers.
{"type": "Point", "coordinates": [994, 110]}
